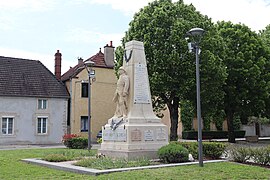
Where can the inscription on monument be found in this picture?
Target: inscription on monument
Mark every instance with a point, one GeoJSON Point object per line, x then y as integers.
{"type": "Point", "coordinates": [141, 89]}
{"type": "Point", "coordinates": [148, 135]}
{"type": "Point", "coordinates": [161, 134]}
{"type": "Point", "coordinates": [136, 135]}
{"type": "Point", "coordinates": [119, 135]}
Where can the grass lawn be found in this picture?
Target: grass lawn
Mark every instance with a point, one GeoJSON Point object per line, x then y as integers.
{"type": "Point", "coordinates": [12, 168]}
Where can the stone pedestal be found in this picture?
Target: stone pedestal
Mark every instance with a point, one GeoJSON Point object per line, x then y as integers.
{"type": "Point", "coordinates": [141, 133]}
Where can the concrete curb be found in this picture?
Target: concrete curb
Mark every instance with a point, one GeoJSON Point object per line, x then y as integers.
{"type": "Point", "coordinates": [68, 166]}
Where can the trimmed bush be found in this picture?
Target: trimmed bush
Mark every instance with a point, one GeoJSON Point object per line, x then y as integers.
{"type": "Point", "coordinates": [211, 150]}
{"type": "Point", "coordinates": [212, 134]}
{"type": "Point", "coordinates": [240, 154]}
{"type": "Point", "coordinates": [173, 153]}
{"type": "Point", "coordinates": [73, 141]}
{"type": "Point", "coordinates": [56, 158]}
{"type": "Point", "coordinates": [78, 143]}
{"type": "Point", "coordinates": [261, 155]}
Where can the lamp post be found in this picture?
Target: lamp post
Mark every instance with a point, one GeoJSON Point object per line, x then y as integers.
{"type": "Point", "coordinates": [91, 74]}
{"type": "Point", "coordinates": [197, 33]}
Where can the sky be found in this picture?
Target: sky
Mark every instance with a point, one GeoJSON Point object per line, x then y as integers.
{"type": "Point", "coordinates": [36, 29]}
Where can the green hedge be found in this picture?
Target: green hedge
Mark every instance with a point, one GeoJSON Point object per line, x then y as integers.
{"type": "Point", "coordinates": [173, 153]}
{"type": "Point", "coordinates": [77, 143]}
{"type": "Point", "coordinates": [212, 150]}
{"type": "Point", "coordinates": [212, 134]}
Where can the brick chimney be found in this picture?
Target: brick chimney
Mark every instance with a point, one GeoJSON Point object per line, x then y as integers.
{"type": "Point", "coordinates": [109, 55]}
{"type": "Point", "coordinates": [57, 65]}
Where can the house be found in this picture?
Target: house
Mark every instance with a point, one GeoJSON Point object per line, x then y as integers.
{"type": "Point", "coordinates": [102, 91]}
{"type": "Point", "coordinates": [33, 103]}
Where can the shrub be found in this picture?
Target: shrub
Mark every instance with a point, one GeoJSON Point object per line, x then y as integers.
{"type": "Point", "coordinates": [212, 134]}
{"type": "Point", "coordinates": [74, 141]}
{"type": "Point", "coordinates": [261, 155]}
{"type": "Point", "coordinates": [240, 154]}
{"type": "Point", "coordinates": [213, 149]}
{"type": "Point", "coordinates": [99, 140]}
{"type": "Point", "coordinates": [109, 163]}
{"type": "Point", "coordinates": [68, 155]}
{"type": "Point", "coordinates": [192, 148]}
{"type": "Point", "coordinates": [78, 143]}
{"type": "Point", "coordinates": [56, 158]}
{"type": "Point", "coordinates": [210, 149]}
{"type": "Point", "coordinates": [173, 153]}
{"type": "Point", "coordinates": [67, 137]}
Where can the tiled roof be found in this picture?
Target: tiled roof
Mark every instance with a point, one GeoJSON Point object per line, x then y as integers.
{"type": "Point", "coordinates": [28, 78]}
{"type": "Point", "coordinates": [98, 59]}
{"type": "Point", "coordinates": [73, 71]}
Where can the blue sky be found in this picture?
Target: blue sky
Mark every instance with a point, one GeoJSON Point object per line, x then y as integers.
{"type": "Point", "coordinates": [35, 29]}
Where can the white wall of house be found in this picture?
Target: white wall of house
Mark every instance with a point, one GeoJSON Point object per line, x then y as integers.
{"type": "Point", "coordinates": [25, 113]}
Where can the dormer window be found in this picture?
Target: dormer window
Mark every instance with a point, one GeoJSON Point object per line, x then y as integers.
{"type": "Point", "coordinates": [42, 104]}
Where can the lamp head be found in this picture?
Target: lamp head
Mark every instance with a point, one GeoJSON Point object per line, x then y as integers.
{"type": "Point", "coordinates": [195, 32]}
{"type": "Point", "coordinates": [89, 63]}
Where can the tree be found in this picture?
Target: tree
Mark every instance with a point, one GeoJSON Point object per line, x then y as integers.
{"type": "Point", "coordinates": [265, 37]}
{"type": "Point", "coordinates": [162, 26]}
{"type": "Point", "coordinates": [246, 59]}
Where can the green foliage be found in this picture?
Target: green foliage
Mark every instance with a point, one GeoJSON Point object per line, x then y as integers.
{"type": "Point", "coordinates": [99, 140]}
{"type": "Point", "coordinates": [212, 134]}
{"type": "Point", "coordinates": [11, 161]}
{"type": "Point", "coordinates": [261, 120]}
{"type": "Point", "coordinates": [236, 122]}
{"type": "Point", "coordinates": [173, 153]}
{"type": "Point", "coordinates": [240, 154]}
{"type": "Point", "coordinates": [261, 155]}
{"type": "Point", "coordinates": [211, 150]}
{"type": "Point", "coordinates": [162, 26]}
{"type": "Point", "coordinates": [247, 65]}
{"type": "Point", "coordinates": [77, 143]}
{"type": "Point", "coordinates": [56, 158]}
{"type": "Point", "coordinates": [109, 163]}
{"type": "Point", "coordinates": [187, 114]}
{"type": "Point", "coordinates": [67, 155]}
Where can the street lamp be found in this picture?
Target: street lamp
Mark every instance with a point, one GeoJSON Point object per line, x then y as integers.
{"type": "Point", "coordinates": [91, 74]}
{"type": "Point", "coordinates": [197, 33]}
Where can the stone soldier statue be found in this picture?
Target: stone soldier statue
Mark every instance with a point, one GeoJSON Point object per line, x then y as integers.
{"type": "Point", "coordinates": [121, 94]}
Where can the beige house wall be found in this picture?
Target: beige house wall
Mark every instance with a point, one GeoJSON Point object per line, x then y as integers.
{"type": "Point", "coordinates": [102, 107]}
{"type": "Point", "coordinates": [167, 121]}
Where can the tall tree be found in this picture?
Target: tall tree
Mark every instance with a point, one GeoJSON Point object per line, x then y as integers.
{"type": "Point", "coordinates": [245, 88]}
{"type": "Point", "coordinates": [162, 26]}
{"type": "Point", "coordinates": [265, 37]}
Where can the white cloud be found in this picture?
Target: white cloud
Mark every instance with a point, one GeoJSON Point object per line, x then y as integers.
{"type": "Point", "coordinates": [128, 7]}
{"type": "Point", "coordinates": [253, 13]}
{"type": "Point", "coordinates": [80, 35]}
{"type": "Point", "coordinates": [32, 5]}
{"type": "Point", "coordinates": [47, 60]}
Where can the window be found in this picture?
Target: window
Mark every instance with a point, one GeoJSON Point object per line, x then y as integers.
{"type": "Point", "coordinates": [84, 89]}
{"type": "Point", "coordinates": [7, 125]}
{"type": "Point", "coordinates": [42, 125]}
{"type": "Point", "coordinates": [42, 104]}
{"type": "Point", "coordinates": [84, 123]}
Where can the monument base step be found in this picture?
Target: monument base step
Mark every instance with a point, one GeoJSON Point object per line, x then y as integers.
{"type": "Point", "coordinates": [130, 155]}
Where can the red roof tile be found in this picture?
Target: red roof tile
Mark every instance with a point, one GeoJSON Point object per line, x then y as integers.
{"type": "Point", "coordinates": [98, 59]}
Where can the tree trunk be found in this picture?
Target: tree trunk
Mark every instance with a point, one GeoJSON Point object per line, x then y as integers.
{"type": "Point", "coordinates": [174, 115]}
{"type": "Point", "coordinates": [231, 136]}
{"type": "Point", "coordinates": [257, 129]}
